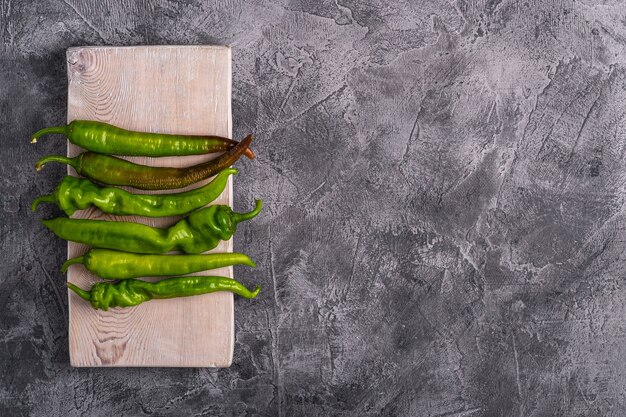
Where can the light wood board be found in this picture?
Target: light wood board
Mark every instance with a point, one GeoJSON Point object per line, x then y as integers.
{"type": "Point", "coordinates": [170, 89]}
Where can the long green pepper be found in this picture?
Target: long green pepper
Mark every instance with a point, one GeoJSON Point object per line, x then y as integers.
{"type": "Point", "coordinates": [78, 194]}
{"type": "Point", "coordinates": [105, 169]}
{"type": "Point", "coordinates": [132, 292]}
{"type": "Point", "coordinates": [104, 138]}
{"type": "Point", "coordinates": [112, 264]}
{"type": "Point", "coordinates": [201, 231]}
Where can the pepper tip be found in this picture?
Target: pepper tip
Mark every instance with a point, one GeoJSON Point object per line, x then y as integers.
{"type": "Point", "coordinates": [256, 291]}
{"type": "Point", "coordinates": [258, 205]}
{"type": "Point", "coordinates": [33, 140]}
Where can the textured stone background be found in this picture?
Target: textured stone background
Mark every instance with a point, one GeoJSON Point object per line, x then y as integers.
{"type": "Point", "coordinates": [445, 223]}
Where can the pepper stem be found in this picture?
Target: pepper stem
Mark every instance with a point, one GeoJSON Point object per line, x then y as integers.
{"type": "Point", "coordinates": [239, 217]}
{"type": "Point", "coordinates": [47, 130]}
{"type": "Point", "coordinates": [73, 162]}
{"type": "Point", "coordinates": [49, 198]}
{"type": "Point", "coordinates": [70, 262]}
{"type": "Point", "coordinates": [85, 295]}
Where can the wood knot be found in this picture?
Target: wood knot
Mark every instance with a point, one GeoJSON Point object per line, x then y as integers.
{"type": "Point", "coordinates": [110, 351]}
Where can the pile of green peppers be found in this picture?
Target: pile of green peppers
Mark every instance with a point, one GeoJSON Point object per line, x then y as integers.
{"type": "Point", "coordinates": [124, 251]}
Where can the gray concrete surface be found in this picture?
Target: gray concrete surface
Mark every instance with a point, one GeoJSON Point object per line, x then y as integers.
{"type": "Point", "coordinates": [445, 223]}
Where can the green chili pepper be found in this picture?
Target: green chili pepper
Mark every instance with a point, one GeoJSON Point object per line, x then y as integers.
{"type": "Point", "coordinates": [199, 232]}
{"type": "Point", "coordinates": [108, 139]}
{"type": "Point", "coordinates": [112, 264]}
{"type": "Point", "coordinates": [132, 292]}
{"type": "Point", "coordinates": [115, 171]}
{"type": "Point", "coordinates": [78, 194]}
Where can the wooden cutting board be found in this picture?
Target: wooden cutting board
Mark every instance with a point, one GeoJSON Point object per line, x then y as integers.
{"type": "Point", "coordinates": [171, 89]}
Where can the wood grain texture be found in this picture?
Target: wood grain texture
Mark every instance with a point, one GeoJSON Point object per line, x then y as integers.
{"type": "Point", "coordinates": [172, 89]}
